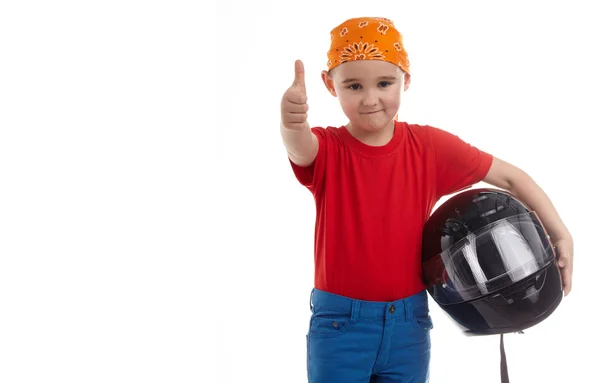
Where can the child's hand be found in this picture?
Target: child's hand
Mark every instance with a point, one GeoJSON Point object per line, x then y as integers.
{"type": "Point", "coordinates": [293, 104]}
{"type": "Point", "coordinates": [565, 262]}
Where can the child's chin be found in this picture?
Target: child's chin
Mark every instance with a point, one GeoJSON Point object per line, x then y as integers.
{"type": "Point", "coordinates": [375, 123]}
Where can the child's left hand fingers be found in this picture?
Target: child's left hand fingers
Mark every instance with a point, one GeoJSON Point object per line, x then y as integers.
{"type": "Point", "coordinates": [565, 262]}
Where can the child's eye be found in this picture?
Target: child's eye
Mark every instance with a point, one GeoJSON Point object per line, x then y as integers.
{"type": "Point", "coordinates": [383, 84]}
{"type": "Point", "coordinates": [354, 86]}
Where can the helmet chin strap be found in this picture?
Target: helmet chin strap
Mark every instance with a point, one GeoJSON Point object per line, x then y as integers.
{"type": "Point", "coordinates": [503, 365]}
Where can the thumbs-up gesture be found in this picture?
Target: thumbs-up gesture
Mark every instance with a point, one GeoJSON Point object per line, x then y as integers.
{"type": "Point", "coordinates": [294, 105]}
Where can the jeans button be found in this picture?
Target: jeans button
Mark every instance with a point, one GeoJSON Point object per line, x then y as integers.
{"type": "Point", "coordinates": [392, 309]}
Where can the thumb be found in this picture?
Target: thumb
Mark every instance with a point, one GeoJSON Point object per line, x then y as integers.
{"type": "Point", "coordinates": [299, 77]}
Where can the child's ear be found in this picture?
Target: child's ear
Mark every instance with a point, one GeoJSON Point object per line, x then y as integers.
{"type": "Point", "coordinates": [328, 81]}
{"type": "Point", "coordinates": [406, 81]}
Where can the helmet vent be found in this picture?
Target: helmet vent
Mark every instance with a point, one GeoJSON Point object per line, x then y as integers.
{"type": "Point", "coordinates": [480, 198]}
{"type": "Point", "coordinates": [493, 211]}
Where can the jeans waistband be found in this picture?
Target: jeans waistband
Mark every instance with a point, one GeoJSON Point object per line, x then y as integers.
{"type": "Point", "coordinates": [358, 308]}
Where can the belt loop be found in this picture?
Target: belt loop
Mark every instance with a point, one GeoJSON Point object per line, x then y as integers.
{"type": "Point", "coordinates": [407, 310]}
{"type": "Point", "coordinates": [355, 311]}
{"type": "Point", "coordinates": [312, 292]}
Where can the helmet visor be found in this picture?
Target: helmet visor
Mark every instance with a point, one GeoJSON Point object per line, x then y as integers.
{"type": "Point", "coordinates": [492, 258]}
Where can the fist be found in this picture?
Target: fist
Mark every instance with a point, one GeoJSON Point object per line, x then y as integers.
{"type": "Point", "coordinates": [293, 104]}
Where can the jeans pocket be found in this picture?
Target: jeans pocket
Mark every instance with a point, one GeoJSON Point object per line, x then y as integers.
{"type": "Point", "coordinates": [421, 319]}
{"type": "Point", "coordinates": [326, 324]}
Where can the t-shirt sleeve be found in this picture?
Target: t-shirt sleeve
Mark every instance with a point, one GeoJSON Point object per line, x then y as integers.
{"type": "Point", "coordinates": [312, 175]}
{"type": "Point", "coordinates": [459, 165]}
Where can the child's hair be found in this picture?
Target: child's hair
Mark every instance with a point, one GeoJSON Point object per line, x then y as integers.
{"type": "Point", "coordinates": [367, 38]}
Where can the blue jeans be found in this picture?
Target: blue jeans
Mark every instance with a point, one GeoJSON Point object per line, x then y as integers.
{"type": "Point", "coordinates": [353, 341]}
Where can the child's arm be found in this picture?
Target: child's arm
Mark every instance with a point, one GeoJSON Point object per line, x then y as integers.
{"type": "Point", "coordinates": [509, 177]}
{"type": "Point", "coordinates": [301, 144]}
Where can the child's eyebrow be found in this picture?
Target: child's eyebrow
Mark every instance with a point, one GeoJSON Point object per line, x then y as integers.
{"type": "Point", "coordinates": [348, 80]}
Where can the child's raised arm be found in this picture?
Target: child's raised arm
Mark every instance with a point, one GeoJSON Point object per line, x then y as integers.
{"type": "Point", "coordinates": [301, 144]}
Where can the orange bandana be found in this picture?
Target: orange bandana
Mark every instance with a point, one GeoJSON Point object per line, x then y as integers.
{"type": "Point", "coordinates": [367, 38]}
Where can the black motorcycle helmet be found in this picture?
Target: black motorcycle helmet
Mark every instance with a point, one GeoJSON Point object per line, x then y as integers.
{"type": "Point", "coordinates": [489, 263]}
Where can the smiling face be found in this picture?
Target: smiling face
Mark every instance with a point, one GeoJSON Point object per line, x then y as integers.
{"type": "Point", "coordinates": [369, 92]}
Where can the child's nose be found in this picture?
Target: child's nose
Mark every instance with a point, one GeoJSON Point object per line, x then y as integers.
{"type": "Point", "coordinates": [370, 99]}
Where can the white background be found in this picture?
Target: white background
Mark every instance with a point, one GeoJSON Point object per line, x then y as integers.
{"type": "Point", "coordinates": [151, 228]}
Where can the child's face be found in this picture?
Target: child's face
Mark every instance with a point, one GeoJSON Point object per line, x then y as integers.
{"type": "Point", "coordinates": [368, 90]}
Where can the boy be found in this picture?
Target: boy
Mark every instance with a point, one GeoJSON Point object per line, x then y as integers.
{"type": "Point", "coordinates": [375, 182]}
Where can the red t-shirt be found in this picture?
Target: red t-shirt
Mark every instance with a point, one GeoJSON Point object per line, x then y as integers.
{"type": "Point", "coordinates": [372, 203]}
